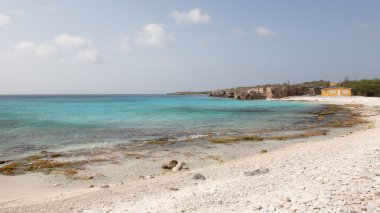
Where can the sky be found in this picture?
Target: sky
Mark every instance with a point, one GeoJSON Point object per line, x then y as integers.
{"type": "Point", "coordinates": [160, 46]}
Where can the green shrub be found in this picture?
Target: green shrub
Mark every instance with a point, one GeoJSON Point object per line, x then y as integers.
{"type": "Point", "coordinates": [364, 87]}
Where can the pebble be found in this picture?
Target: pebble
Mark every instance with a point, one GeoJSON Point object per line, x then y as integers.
{"type": "Point", "coordinates": [284, 198]}
{"type": "Point", "coordinates": [198, 176]}
{"type": "Point", "coordinates": [256, 172]}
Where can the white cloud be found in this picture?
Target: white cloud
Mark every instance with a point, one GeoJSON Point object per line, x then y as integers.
{"type": "Point", "coordinates": [154, 35]}
{"type": "Point", "coordinates": [45, 50]}
{"type": "Point", "coordinates": [68, 41]}
{"type": "Point", "coordinates": [237, 34]}
{"type": "Point", "coordinates": [194, 16]}
{"type": "Point", "coordinates": [65, 47]}
{"type": "Point", "coordinates": [27, 48]}
{"type": "Point", "coordinates": [265, 32]}
{"type": "Point", "coordinates": [4, 20]}
{"type": "Point", "coordinates": [90, 55]}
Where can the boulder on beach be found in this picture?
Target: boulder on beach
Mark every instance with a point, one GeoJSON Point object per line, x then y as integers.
{"type": "Point", "coordinates": [169, 165]}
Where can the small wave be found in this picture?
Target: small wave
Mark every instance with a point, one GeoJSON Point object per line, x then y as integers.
{"type": "Point", "coordinates": [197, 109]}
{"type": "Point", "coordinates": [190, 137]}
{"type": "Point", "coordinates": [178, 139]}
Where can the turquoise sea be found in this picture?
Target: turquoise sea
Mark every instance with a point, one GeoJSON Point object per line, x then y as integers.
{"type": "Point", "coordinates": [30, 123]}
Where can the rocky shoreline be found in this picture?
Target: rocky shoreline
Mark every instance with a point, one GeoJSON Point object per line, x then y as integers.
{"type": "Point", "coordinates": [267, 91]}
{"type": "Point", "coordinates": [337, 173]}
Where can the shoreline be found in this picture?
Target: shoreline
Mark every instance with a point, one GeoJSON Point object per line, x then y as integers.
{"type": "Point", "coordinates": [129, 195]}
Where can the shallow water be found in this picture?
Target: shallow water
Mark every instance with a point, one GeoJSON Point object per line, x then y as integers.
{"type": "Point", "coordinates": [29, 123]}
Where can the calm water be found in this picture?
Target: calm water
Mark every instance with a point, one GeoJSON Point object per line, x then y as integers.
{"type": "Point", "coordinates": [68, 122]}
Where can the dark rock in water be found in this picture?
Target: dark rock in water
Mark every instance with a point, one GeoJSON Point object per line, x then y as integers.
{"type": "Point", "coordinates": [198, 176]}
{"type": "Point", "coordinates": [256, 172]}
{"type": "Point", "coordinates": [169, 165]}
{"type": "Point", "coordinates": [2, 161]}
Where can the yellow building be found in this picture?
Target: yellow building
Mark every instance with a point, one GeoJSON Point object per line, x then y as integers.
{"type": "Point", "coordinates": [336, 91]}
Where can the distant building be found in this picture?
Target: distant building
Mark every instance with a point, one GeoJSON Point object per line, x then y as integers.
{"type": "Point", "coordinates": [336, 91]}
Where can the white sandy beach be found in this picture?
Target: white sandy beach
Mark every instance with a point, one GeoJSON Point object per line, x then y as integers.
{"type": "Point", "coordinates": [339, 174]}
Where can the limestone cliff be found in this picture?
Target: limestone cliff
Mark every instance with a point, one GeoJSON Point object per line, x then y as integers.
{"type": "Point", "coordinates": [270, 91]}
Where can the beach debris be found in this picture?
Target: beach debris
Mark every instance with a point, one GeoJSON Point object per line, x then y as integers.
{"type": "Point", "coordinates": [141, 177]}
{"type": "Point", "coordinates": [327, 112]}
{"type": "Point", "coordinates": [91, 186]}
{"type": "Point", "coordinates": [169, 165]}
{"type": "Point", "coordinates": [173, 189]}
{"type": "Point", "coordinates": [258, 171]}
{"type": "Point", "coordinates": [235, 139]}
{"type": "Point", "coordinates": [257, 208]}
{"type": "Point", "coordinates": [198, 176]}
{"type": "Point", "coordinates": [85, 177]}
{"type": "Point", "coordinates": [104, 186]}
{"type": "Point", "coordinates": [57, 184]}
{"type": "Point", "coordinates": [264, 151]}
{"type": "Point", "coordinates": [150, 176]}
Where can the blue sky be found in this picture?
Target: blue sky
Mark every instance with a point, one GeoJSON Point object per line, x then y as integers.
{"type": "Point", "coordinates": [122, 46]}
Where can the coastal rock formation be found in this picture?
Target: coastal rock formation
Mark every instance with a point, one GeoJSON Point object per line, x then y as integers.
{"type": "Point", "coordinates": [267, 91]}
